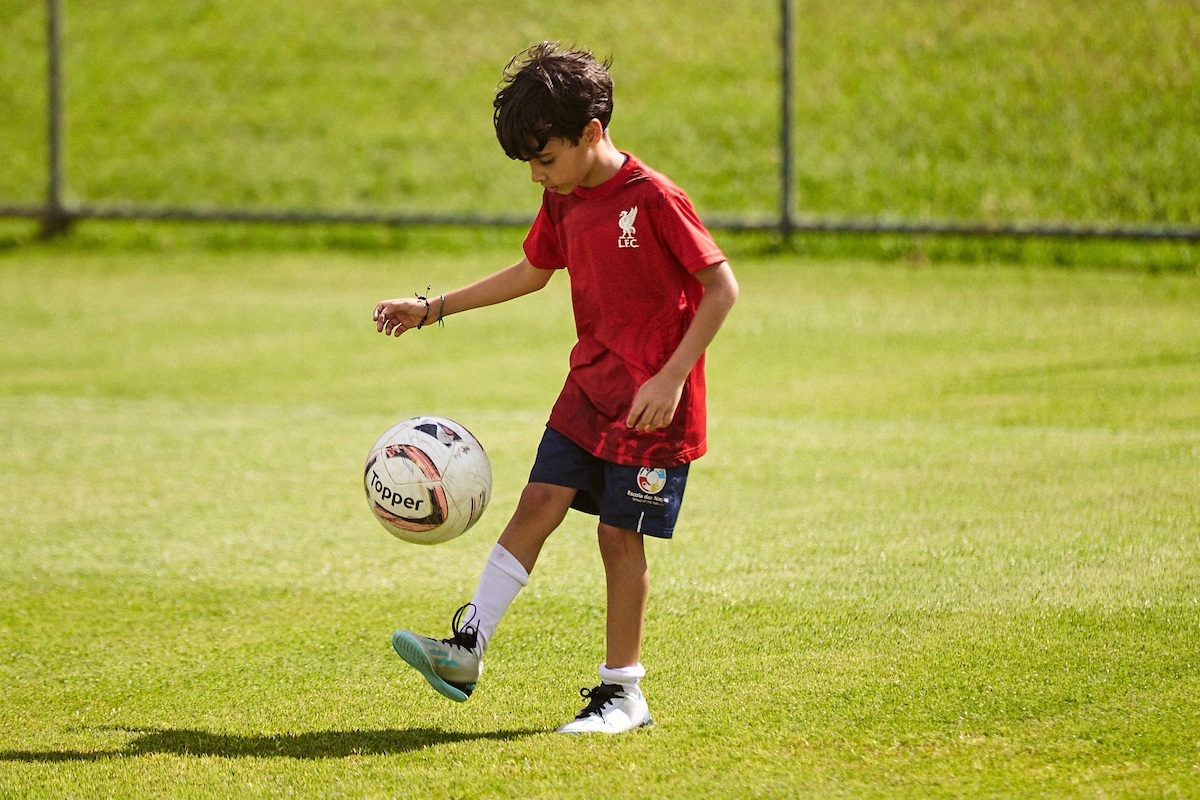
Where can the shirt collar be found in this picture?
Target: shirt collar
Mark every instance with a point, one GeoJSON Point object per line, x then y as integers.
{"type": "Point", "coordinates": [610, 185]}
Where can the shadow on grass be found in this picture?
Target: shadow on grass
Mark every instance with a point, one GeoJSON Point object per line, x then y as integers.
{"type": "Point", "coordinates": [314, 745]}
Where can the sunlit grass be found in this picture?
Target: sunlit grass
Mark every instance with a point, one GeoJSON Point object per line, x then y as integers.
{"type": "Point", "coordinates": [1030, 110]}
{"type": "Point", "coordinates": [943, 544]}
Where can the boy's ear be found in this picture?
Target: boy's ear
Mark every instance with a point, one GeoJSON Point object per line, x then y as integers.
{"type": "Point", "coordinates": [593, 132]}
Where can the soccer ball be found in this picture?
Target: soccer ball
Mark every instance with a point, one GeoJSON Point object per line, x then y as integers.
{"type": "Point", "coordinates": [427, 480]}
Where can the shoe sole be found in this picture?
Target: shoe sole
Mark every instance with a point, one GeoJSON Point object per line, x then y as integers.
{"type": "Point", "coordinates": [414, 655]}
{"type": "Point", "coordinates": [645, 723]}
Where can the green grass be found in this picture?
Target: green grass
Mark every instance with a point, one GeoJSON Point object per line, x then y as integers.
{"type": "Point", "coordinates": [1022, 110]}
{"type": "Point", "coordinates": [944, 543]}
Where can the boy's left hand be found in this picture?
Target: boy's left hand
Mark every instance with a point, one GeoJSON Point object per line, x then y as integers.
{"type": "Point", "coordinates": [394, 317]}
{"type": "Point", "coordinates": [655, 403]}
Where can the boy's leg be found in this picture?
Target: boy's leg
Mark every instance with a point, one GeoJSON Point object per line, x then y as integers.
{"type": "Point", "coordinates": [539, 512]}
{"type": "Point", "coordinates": [617, 704]}
{"type": "Point", "coordinates": [452, 666]}
{"type": "Point", "coordinates": [627, 578]}
{"type": "Point", "coordinates": [636, 502]}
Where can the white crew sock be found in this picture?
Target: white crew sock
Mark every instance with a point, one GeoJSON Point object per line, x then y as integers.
{"type": "Point", "coordinates": [503, 576]}
{"type": "Point", "coordinates": [625, 677]}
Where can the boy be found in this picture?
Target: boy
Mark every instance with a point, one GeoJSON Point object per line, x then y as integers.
{"type": "Point", "coordinates": [649, 289]}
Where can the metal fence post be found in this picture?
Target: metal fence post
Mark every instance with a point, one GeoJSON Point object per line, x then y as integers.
{"type": "Point", "coordinates": [55, 220]}
{"type": "Point", "coordinates": [787, 55]}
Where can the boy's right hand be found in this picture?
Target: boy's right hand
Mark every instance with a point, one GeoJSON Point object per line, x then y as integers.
{"type": "Point", "coordinates": [394, 317]}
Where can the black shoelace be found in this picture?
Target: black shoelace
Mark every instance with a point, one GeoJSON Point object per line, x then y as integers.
{"type": "Point", "coordinates": [466, 634]}
{"type": "Point", "coordinates": [598, 698]}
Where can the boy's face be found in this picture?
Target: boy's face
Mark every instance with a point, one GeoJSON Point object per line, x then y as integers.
{"type": "Point", "coordinates": [563, 165]}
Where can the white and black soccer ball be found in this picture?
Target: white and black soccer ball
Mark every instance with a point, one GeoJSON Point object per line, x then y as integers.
{"type": "Point", "coordinates": [427, 480]}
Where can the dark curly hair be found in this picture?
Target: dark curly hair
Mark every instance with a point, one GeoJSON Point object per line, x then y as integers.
{"type": "Point", "coordinates": [550, 92]}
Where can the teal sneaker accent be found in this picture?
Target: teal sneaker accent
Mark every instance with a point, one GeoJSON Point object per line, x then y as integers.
{"type": "Point", "coordinates": [451, 666]}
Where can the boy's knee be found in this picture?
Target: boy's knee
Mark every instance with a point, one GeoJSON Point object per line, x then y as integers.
{"type": "Point", "coordinates": [543, 504]}
{"type": "Point", "coordinates": [540, 510]}
{"type": "Point", "coordinates": [619, 542]}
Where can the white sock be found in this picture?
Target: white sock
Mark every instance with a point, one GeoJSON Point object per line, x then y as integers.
{"type": "Point", "coordinates": [625, 677]}
{"type": "Point", "coordinates": [503, 576]}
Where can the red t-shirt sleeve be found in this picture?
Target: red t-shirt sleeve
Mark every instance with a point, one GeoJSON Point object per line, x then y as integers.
{"type": "Point", "coordinates": [542, 247]}
{"type": "Point", "coordinates": [685, 236]}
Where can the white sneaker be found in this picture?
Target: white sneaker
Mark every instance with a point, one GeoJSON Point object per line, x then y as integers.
{"type": "Point", "coordinates": [452, 666]}
{"type": "Point", "coordinates": [610, 709]}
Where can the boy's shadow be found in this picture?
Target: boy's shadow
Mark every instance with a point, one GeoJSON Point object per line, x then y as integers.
{"type": "Point", "coordinates": [313, 745]}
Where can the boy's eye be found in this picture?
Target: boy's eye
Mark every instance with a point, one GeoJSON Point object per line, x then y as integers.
{"type": "Point", "coordinates": [545, 162]}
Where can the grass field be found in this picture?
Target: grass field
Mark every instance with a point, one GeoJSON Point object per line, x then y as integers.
{"type": "Point", "coordinates": [1014, 110]}
{"type": "Point", "coordinates": [944, 544]}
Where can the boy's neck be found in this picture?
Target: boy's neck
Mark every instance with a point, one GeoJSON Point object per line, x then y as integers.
{"type": "Point", "coordinates": [607, 162]}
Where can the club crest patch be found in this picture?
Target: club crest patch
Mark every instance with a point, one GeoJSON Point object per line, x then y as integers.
{"type": "Point", "coordinates": [628, 237]}
{"type": "Point", "coordinates": [651, 480]}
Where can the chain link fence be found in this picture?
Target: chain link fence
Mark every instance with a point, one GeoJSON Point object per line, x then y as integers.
{"type": "Point", "coordinates": [56, 213]}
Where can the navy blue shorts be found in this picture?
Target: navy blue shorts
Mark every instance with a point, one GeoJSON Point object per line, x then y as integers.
{"type": "Point", "coordinates": [642, 499]}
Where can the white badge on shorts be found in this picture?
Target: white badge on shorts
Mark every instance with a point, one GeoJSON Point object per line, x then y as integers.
{"type": "Point", "coordinates": [651, 480]}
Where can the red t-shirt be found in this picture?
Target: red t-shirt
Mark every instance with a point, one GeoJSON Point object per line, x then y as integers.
{"type": "Point", "coordinates": [630, 246]}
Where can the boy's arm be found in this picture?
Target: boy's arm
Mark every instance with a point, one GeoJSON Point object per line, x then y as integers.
{"type": "Point", "coordinates": [655, 402]}
{"type": "Point", "coordinates": [394, 317]}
